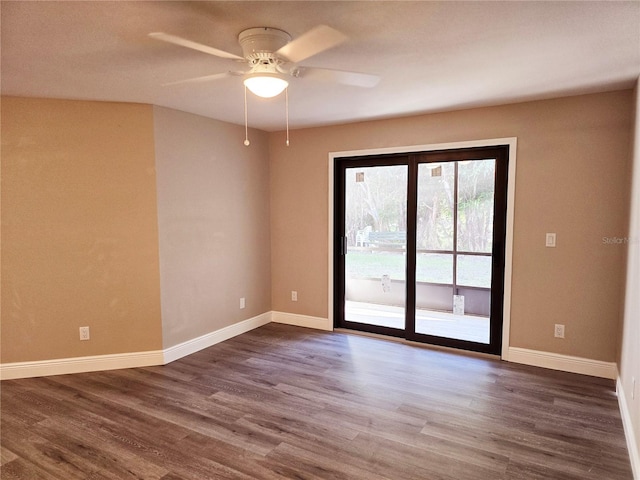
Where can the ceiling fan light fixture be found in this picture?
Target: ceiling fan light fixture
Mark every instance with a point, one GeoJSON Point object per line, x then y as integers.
{"type": "Point", "coordinates": [265, 85]}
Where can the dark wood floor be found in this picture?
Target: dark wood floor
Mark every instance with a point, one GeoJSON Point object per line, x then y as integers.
{"type": "Point", "coordinates": [284, 402]}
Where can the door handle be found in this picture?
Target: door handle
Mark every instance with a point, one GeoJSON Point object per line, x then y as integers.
{"type": "Point", "coordinates": [343, 245]}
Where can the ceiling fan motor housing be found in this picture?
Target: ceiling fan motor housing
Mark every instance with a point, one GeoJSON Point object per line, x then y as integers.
{"type": "Point", "coordinates": [260, 43]}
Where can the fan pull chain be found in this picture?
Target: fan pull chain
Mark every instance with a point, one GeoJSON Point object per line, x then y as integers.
{"type": "Point", "coordinates": [246, 125]}
{"type": "Point", "coordinates": [246, 120]}
{"type": "Point", "coordinates": [286, 96]}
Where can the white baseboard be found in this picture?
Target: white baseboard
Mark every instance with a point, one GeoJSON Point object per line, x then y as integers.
{"type": "Point", "coordinates": [95, 363]}
{"type": "Point", "coordinates": [318, 323]}
{"type": "Point", "coordinates": [200, 343]}
{"type": "Point", "coordinates": [632, 441]}
{"type": "Point", "coordinates": [566, 363]}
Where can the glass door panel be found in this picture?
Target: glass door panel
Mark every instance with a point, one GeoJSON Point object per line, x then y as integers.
{"type": "Point", "coordinates": [375, 226]}
{"type": "Point", "coordinates": [454, 240]}
{"type": "Point", "coordinates": [434, 268]}
{"type": "Point", "coordinates": [474, 271]}
{"type": "Point", "coordinates": [475, 199]}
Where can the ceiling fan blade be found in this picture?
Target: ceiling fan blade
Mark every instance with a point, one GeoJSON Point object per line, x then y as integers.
{"type": "Point", "coordinates": [354, 79]}
{"type": "Point", "coordinates": [165, 37]}
{"type": "Point", "coordinates": [316, 40]}
{"type": "Point", "coordinates": [206, 78]}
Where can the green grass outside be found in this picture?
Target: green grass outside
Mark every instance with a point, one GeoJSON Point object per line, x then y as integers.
{"type": "Point", "coordinates": [430, 268]}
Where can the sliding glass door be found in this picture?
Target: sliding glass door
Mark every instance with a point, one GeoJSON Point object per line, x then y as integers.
{"type": "Point", "coordinates": [375, 237]}
{"type": "Point", "coordinates": [420, 246]}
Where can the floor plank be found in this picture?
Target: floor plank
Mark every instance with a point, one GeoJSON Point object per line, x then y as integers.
{"type": "Point", "coordinates": [283, 402]}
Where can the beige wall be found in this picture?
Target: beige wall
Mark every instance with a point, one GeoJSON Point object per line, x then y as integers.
{"type": "Point", "coordinates": [79, 229]}
{"type": "Point", "coordinates": [92, 235]}
{"type": "Point", "coordinates": [629, 364]}
{"type": "Point", "coordinates": [572, 165]}
{"type": "Point", "coordinates": [213, 214]}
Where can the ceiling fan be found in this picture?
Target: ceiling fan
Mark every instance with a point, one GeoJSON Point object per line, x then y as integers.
{"type": "Point", "coordinates": [272, 57]}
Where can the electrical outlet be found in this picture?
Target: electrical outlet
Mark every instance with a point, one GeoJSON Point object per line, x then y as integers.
{"type": "Point", "coordinates": [242, 303]}
{"type": "Point", "coordinates": [84, 333]}
{"type": "Point", "coordinates": [294, 296]}
{"type": "Point", "coordinates": [559, 331]}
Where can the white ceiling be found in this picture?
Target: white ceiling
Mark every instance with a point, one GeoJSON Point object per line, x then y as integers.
{"type": "Point", "coordinates": [431, 56]}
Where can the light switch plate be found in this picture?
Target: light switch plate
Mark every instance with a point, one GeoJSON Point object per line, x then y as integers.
{"type": "Point", "coordinates": [550, 240]}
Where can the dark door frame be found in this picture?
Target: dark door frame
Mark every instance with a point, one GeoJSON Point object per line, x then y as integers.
{"type": "Point", "coordinates": [500, 333]}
